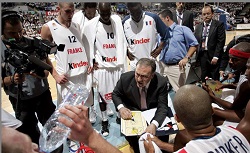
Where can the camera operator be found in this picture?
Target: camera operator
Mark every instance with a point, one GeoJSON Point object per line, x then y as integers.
{"type": "Point", "coordinates": [28, 93]}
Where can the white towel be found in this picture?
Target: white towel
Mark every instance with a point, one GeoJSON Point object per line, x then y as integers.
{"type": "Point", "coordinates": [8, 120]}
{"type": "Point", "coordinates": [88, 39]}
{"type": "Point", "coordinates": [141, 143]}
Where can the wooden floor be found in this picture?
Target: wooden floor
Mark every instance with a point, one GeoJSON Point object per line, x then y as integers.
{"type": "Point", "coordinates": [7, 106]}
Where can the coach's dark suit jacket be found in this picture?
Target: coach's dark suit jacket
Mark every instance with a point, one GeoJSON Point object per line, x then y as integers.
{"type": "Point", "coordinates": [215, 44]}
{"type": "Point", "coordinates": [188, 19]}
{"type": "Point", "coordinates": [127, 93]}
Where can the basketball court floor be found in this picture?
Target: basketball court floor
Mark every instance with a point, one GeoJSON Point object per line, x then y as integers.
{"type": "Point", "coordinates": [120, 142]}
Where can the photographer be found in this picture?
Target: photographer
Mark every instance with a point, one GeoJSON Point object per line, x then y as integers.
{"type": "Point", "coordinates": [28, 93]}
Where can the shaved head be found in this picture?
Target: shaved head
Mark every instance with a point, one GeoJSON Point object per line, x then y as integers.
{"type": "Point", "coordinates": [193, 107]}
{"type": "Point", "coordinates": [105, 12]}
{"type": "Point", "coordinates": [104, 5]}
{"type": "Point", "coordinates": [243, 46]}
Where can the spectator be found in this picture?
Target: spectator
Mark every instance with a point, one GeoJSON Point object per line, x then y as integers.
{"type": "Point", "coordinates": [211, 37]}
{"type": "Point", "coordinates": [182, 16]}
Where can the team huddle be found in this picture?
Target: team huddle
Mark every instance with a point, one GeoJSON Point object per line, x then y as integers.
{"type": "Point", "coordinates": [133, 63]}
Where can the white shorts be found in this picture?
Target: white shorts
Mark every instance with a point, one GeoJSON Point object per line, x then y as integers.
{"type": "Point", "coordinates": [105, 81]}
{"type": "Point", "coordinates": [81, 79]}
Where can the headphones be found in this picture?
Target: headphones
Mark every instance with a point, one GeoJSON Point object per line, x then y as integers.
{"type": "Point", "coordinates": [8, 14]}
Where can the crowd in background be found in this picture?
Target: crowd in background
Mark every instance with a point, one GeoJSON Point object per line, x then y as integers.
{"type": "Point", "coordinates": [33, 20]}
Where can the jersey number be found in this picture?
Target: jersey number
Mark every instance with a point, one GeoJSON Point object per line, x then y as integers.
{"type": "Point", "coordinates": [110, 35]}
{"type": "Point", "coordinates": [72, 39]}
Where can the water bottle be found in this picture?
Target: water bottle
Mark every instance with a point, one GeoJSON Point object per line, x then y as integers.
{"type": "Point", "coordinates": [55, 133]}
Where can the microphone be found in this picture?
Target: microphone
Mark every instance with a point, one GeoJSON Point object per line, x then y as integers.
{"type": "Point", "coordinates": [39, 63]}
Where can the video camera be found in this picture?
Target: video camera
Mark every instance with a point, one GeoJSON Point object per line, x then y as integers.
{"type": "Point", "coordinates": [28, 54]}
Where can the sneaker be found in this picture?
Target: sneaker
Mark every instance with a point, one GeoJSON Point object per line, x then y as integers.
{"type": "Point", "coordinates": [105, 128]}
{"type": "Point", "coordinates": [92, 115]}
{"type": "Point", "coordinates": [109, 111]}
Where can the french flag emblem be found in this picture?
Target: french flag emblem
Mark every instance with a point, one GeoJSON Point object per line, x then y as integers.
{"type": "Point", "coordinates": [148, 22]}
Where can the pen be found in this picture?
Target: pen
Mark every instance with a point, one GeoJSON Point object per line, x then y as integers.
{"type": "Point", "coordinates": [132, 118]}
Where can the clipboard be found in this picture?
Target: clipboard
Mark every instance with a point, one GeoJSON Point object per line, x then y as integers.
{"type": "Point", "coordinates": [134, 127]}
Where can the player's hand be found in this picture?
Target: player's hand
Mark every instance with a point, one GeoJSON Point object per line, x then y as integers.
{"type": "Point", "coordinates": [156, 52]}
{"type": "Point", "coordinates": [61, 79]}
{"type": "Point", "coordinates": [131, 57]}
{"type": "Point", "coordinates": [208, 89]}
{"type": "Point", "coordinates": [156, 140]}
{"type": "Point", "coordinates": [148, 145]}
{"type": "Point", "coordinates": [90, 70]}
{"type": "Point", "coordinates": [218, 86]}
{"type": "Point", "coordinates": [95, 66]}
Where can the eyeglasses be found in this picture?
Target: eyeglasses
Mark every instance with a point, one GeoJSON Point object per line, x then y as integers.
{"type": "Point", "coordinates": [144, 77]}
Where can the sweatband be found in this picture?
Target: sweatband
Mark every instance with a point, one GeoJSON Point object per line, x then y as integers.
{"type": "Point", "coordinates": [239, 53]}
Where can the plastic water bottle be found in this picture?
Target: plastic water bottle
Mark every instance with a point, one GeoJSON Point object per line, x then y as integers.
{"type": "Point", "coordinates": [55, 133]}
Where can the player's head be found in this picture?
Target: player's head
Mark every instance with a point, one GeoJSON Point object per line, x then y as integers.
{"type": "Point", "coordinates": [105, 12]}
{"type": "Point", "coordinates": [193, 107]}
{"type": "Point", "coordinates": [144, 72]}
{"type": "Point", "coordinates": [238, 56]}
{"type": "Point", "coordinates": [89, 10]}
{"type": "Point", "coordinates": [12, 26]}
{"type": "Point", "coordinates": [135, 10]}
{"type": "Point", "coordinates": [66, 11]}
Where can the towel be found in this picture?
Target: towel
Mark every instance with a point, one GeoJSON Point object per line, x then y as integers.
{"type": "Point", "coordinates": [141, 143]}
{"type": "Point", "coordinates": [8, 120]}
{"type": "Point", "coordinates": [88, 38]}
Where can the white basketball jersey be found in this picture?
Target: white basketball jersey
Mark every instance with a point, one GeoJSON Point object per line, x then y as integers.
{"type": "Point", "coordinates": [72, 60]}
{"type": "Point", "coordinates": [242, 79]}
{"type": "Point", "coordinates": [226, 140]}
{"type": "Point", "coordinates": [141, 36]}
{"type": "Point", "coordinates": [105, 46]}
{"type": "Point", "coordinates": [80, 19]}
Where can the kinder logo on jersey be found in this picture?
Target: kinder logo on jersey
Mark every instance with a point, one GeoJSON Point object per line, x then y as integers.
{"type": "Point", "coordinates": [107, 46]}
{"type": "Point", "coordinates": [108, 96]}
{"type": "Point", "coordinates": [148, 23]}
{"type": "Point", "coordinates": [109, 59]}
{"type": "Point", "coordinates": [74, 50]}
{"type": "Point", "coordinates": [77, 65]}
{"type": "Point", "coordinates": [141, 41]}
